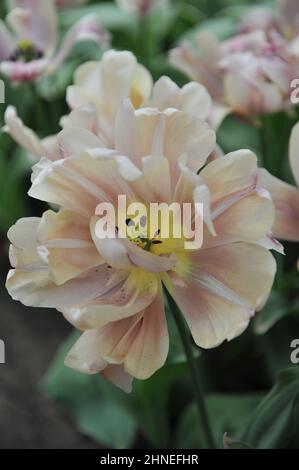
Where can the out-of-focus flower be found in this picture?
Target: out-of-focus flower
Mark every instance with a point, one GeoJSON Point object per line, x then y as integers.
{"type": "Point", "coordinates": [141, 7]}
{"type": "Point", "coordinates": [98, 91]}
{"type": "Point", "coordinates": [285, 19]}
{"type": "Point", "coordinates": [69, 3]}
{"type": "Point", "coordinates": [289, 13]}
{"type": "Point", "coordinates": [250, 73]}
{"type": "Point", "coordinates": [112, 288]}
{"type": "Point", "coordinates": [285, 196]}
{"type": "Point", "coordinates": [27, 50]}
{"type": "Point", "coordinates": [259, 18]}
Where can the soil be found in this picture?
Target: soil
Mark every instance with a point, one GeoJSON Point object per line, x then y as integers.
{"type": "Point", "coordinates": [28, 420]}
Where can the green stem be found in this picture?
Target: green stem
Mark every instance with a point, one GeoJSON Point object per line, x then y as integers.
{"type": "Point", "coordinates": [194, 372]}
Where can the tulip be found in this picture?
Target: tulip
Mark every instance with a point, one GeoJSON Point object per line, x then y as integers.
{"type": "Point", "coordinates": [111, 289]}
{"type": "Point", "coordinates": [98, 91]}
{"type": "Point", "coordinates": [285, 196]}
{"type": "Point", "coordinates": [250, 73]}
{"type": "Point", "coordinates": [27, 49]}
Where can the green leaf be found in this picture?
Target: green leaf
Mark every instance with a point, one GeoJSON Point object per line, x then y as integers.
{"type": "Point", "coordinates": [109, 15]}
{"type": "Point", "coordinates": [277, 308]}
{"type": "Point", "coordinates": [222, 28]}
{"type": "Point", "coordinates": [228, 414]}
{"type": "Point", "coordinates": [150, 400]}
{"type": "Point", "coordinates": [235, 134]}
{"type": "Point", "coordinates": [55, 85]}
{"type": "Point", "coordinates": [269, 426]}
{"type": "Point", "coordinates": [98, 408]}
{"type": "Point", "coordinates": [108, 414]}
{"type": "Point", "coordinates": [13, 198]}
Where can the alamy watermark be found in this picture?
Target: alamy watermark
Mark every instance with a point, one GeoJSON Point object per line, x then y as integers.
{"type": "Point", "coordinates": [2, 92]}
{"type": "Point", "coordinates": [295, 352]}
{"type": "Point", "coordinates": [295, 92]}
{"type": "Point", "coordinates": [151, 224]}
{"type": "Point", "coordinates": [2, 352]}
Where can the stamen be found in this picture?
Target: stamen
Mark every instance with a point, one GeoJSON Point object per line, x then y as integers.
{"type": "Point", "coordinates": [26, 52]}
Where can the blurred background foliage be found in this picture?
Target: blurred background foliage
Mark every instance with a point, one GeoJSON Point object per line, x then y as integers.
{"type": "Point", "coordinates": [252, 389]}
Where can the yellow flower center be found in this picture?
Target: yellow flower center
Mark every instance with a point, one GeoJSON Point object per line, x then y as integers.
{"type": "Point", "coordinates": [26, 52]}
{"type": "Point", "coordinates": [25, 45]}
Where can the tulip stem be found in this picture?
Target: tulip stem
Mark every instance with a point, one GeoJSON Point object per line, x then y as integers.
{"type": "Point", "coordinates": [194, 372]}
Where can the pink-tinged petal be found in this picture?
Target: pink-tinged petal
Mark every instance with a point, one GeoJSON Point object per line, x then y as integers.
{"type": "Point", "coordinates": [224, 287]}
{"type": "Point", "coordinates": [286, 201]}
{"type": "Point", "coordinates": [19, 72]}
{"type": "Point", "coordinates": [22, 236]}
{"type": "Point", "coordinates": [34, 287]}
{"type": "Point", "coordinates": [171, 134]}
{"type": "Point", "coordinates": [202, 195]}
{"type": "Point", "coordinates": [124, 296]}
{"type": "Point", "coordinates": [212, 319]}
{"type": "Point", "coordinates": [134, 131]}
{"type": "Point", "coordinates": [112, 250]}
{"type": "Point", "coordinates": [106, 85]}
{"type": "Point", "coordinates": [141, 86]}
{"type": "Point", "coordinates": [31, 281]}
{"type": "Point", "coordinates": [86, 86]}
{"type": "Point", "coordinates": [186, 185]}
{"type": "Point", "coordinates": [246, 98]}
{"type": "Point", "coordinates": [66, 236]}
{"type": "Point", "coordinates": [294, 152]}
{"type": "Point", "coordinates": [289, 10]}
{"type": "Point", "coordinates": [193, 98]}
{"type": "Point", "coordinates": [36, 21]}
{"type": "Point", "coordinates": [187, 135]}
{"type": "Point", "coordinates": [271, 243]}
{"type": "Point", "coordinates": [86, 357]}
{"type": "Point", "coordinates": [24, 136]}
{"type": "Point", "coordinates": [246, 270]}
{"type": "Point", "coordinates": [51, 147]}
{"type": "Point", "coordinates": [84, 117]}
{"type": "Point", "coordinates": [7, 42]}
{"type": "Point", "coordinates": [111, 81]}
{"type": "Point", "coordinates": [149, 349]}
{"type": "Point", "coordinates": [202, 64]}
{"type": "Point", "coordinates": [230, 174]}
{"type": "Point", "coordinates": [118, 79]}
{"type": "Point", "coordinates": [141, 343]}
{"type": "Point", "coordinates": [115, 374]}
{"type": "Point", "coordinates": [155, 184]}
{"type": "Point", "coordinates": [259, 18]}
{"type": "Point", "coordinates": [149, 261]}
{"type": "Point", "coordinates": [74, 140]}
{"type": "Point", "coordinates": [277, 71]}
{"type": "Point", "coordinates": [248, 219]}
{"type": "Point", "coordinates": [87, 29]}
{"type": "Point", "coordinates": [78, 183]}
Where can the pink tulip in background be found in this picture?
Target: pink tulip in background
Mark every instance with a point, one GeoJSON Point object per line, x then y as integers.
{"type": "Point", "coordinates": [29, 39]}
